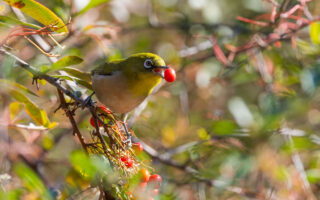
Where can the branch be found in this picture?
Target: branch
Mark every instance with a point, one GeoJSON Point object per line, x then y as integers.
{"type": "Point", "coordinates": [73, 122]}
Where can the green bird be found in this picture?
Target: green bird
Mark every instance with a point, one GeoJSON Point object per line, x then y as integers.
{"type": "Point", "coordinates": [123, 84]}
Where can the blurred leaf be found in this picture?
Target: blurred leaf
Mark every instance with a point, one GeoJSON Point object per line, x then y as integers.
{"type": "Point", "coordinates": [224, 127]}
{"type": "Point", "coordinates": [315, 32]}
{"type": "Point", "coordinates": [15, 109]}
{"type": "Point", "coordinates": [299, 143]}
{"type": "Point", "coordinates": [313, 175]}
{"type": "Point", "coordinates": [203, 134]}
{"type": "Point", "coordinates": [92, 4]}
{"type": "Point", "coordinates": [40, 13]}
{"type": "Point", "coordinates": [47, 141]}
{"type": "Point", "coordinates": [31, 180]}
{"type": "Point", "coordinates": [76, 80]}
{"type": "Point", "coordinates": [39, 116]}
{"type": "Point", "coordinates": [64, 62]}
{"type": "Point", "coordinates": [82, 163]}
{"type": "Point", "coordinates": [12, 21]}
{"type": "Point", "coordinates": [10, 194]}
{"type": "Point", "coordinates": [16, 85]}
{"type": "Point", "coordinates": [45, 120]}
{"type": "Point", "coordinates": [77, 73]}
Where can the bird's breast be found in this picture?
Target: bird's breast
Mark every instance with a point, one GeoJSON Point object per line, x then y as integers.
{"type": "Point", "coordinates": [115, 92]}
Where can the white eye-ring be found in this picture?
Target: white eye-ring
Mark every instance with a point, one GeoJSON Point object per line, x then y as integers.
{"type": "Point", "coordinates": [148, 63]}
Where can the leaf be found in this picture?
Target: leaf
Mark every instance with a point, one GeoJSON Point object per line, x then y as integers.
{"type": "Point", "coordinates": [77, 73]}
{"type": "Point", "coordinates": [92, 4]}
{"type": "Point", "coordinates": [64, 62]}
{"type": "Point", "coordinates": [36, 114]}
{"type": "Point", "coordinates": [31, 180]}
{"type": "Point", "coordinates": [12, 21]}
{"type": "Point", "coordinates": [40, 13]}
{"type": "Point", "coordinates": [223, 127]}
{"type": "Point", "coordinates": [76, 80]}
{"type": "Point", "coordinates": [82, 163]}
{"type": "Point", "coordinates": [17, 86]}
{"type": "Point", "coordinates": [15, 109]}
{"type": "Point", "coordinates": [315, 32]}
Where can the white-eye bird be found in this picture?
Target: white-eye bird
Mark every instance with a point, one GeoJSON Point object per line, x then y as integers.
{"type": "Point", "coordinates": [123, 84]}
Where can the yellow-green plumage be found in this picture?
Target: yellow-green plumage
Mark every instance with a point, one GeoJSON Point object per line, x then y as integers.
{"type": "Point", "coordinates": [123, 84]}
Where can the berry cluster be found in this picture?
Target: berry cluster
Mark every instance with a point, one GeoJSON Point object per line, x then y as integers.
{"type": "Point", "coordinates": [148, 187]}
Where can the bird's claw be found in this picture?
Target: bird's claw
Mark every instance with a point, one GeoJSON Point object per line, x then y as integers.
{"type": "Point", "coordinates": [88, 101]}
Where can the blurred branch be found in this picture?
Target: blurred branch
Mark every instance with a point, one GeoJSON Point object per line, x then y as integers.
{"type": "Point", "coordinates": [183, 25]}
{"type": "Point", "coordinates": [163, 158]}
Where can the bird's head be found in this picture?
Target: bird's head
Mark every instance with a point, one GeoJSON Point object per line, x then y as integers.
{"type": "Point", "coordinates": [147, 64]}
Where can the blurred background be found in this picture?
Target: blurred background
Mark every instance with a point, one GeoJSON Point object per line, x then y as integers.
{"type": "Point", "coordinates": [248, 130]}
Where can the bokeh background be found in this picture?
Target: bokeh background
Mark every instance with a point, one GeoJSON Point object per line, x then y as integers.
{"type": "Point", "coordinates": [244, 131]}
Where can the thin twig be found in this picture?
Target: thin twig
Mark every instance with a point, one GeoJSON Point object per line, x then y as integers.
{"type": "Point", "coordinates": [73, 122]}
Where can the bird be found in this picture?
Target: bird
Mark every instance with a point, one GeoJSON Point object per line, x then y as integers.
{"type": "Point", "coordinates": [123, 84]}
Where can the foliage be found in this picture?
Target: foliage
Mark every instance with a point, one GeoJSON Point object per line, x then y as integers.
{"type": "Point", "coordinates": [240, 121]}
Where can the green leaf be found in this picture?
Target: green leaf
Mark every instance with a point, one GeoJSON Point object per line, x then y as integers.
{"type": "Point", "coordinates": [31, 181]}
{"type": "Point", "coordinates": [92, 4]}
{"type": "Point", "coordinates": [40, 13]}
{"type": "Point", "coordinates": [77, 73]}
{"type": "Point", "coordinates": [12, 194]}
{"type": "Point", "coordinates": [223, 127]}
{"type": "Point", "coordinates": [64, 62]}
{"type": "Point", "coordinates": [12, 21]}
{"type": "Point", "coordinates": [76, 80]}
{"type": "Point", "coordinates": [313, 175]}
{"type": "Point", "coordinates": [315, 32]}
{"type": "Point", "coordinates": [16, 85]}
{"type": "Point", "coordinates": [82, 163]}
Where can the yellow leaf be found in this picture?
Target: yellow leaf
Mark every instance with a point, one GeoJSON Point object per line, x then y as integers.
{"type": "Point", "coordinates": [40, 13]}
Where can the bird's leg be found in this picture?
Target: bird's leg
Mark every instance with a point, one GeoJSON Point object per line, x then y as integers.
{"type": "Point", "coordinates": [128, 134]}
{"type": "Point", "coordinates": [88, 100]}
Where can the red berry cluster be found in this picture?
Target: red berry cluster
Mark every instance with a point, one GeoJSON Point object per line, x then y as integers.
{"type": "Point", "coordinates": [149, 185]}
{"type": "Point", "coordinates": [128, 162]}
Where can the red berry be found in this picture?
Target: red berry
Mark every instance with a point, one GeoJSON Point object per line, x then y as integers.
{"type": "Point", "coordinates": [137, 148]}
{"type": "Point", "coordinates": [129, 163]}
{"type": "Point", "coordinates": [92, 122]}
{"type": "Point", "coordinates": [145, 175]}
{"type": "Point", "coordinates": [124, 158]}
{"type": "Point", "coordinates": [170, 75]}
{"type": "Point", "coordinates": [155, 180]}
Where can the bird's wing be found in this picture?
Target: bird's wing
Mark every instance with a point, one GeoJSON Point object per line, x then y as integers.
{"type": "Point", "coordinates": [107, 68]}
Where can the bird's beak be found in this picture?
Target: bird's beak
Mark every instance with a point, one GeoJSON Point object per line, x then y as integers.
{"type": "Point", "coordinates": [159, 70]}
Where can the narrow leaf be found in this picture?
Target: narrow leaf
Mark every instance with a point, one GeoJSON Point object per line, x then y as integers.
{"type": "Point", "coordinates": [31, 180]}
{"type": "Point", "coordinates": [76, 80]}
{"type": "Point", "coordinates": [315, 32]}
{"type": "Point", "coordinates": [12, 21]}
{"type": "Point", "coordinates": [16, 85]}
{"type": "Point", "coordinates": [64, 62]}
{"type": "Point", "coordinates": [77, 73]}
{"type": "Point", "coordinates": [40, 13]}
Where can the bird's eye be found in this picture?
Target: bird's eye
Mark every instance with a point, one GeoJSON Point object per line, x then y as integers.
{"type": "Point", "coordinates": [148, 63]}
